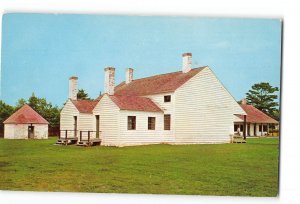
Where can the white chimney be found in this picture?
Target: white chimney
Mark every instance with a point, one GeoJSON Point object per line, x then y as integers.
{"type": "Point", "coordinates": [244, 101]}
{"type": "Point", "coordinates": [186, 62]}
{"type": "Point", "coordinates": [129, 75]}
{"type": "Point", "coordinates": [73, 90]}
{"type": "Point", "coordinates": [109, 80]}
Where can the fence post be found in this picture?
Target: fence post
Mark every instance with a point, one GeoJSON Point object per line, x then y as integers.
{"type": "Point", "coordinates": [88, 136]}
{"type": "Point", "coordinates": [66, 137]}
{"type": "Point", "coordinates": [80, 135]}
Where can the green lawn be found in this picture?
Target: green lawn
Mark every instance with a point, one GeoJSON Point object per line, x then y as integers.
{"type": "Point", "coordinates": [217, 169]}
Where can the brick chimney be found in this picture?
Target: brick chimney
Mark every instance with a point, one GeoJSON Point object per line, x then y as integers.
{"type": "Point", "coordinates": [109, 80]}
{"type": "Point", "coordinates": [186, 62]}
{"type": "Point", "coordinates": [73, 90]}
{"type": "Point", "coordinates": [129, 75]}
{"type": "Point", "coordinates": [244, 101]}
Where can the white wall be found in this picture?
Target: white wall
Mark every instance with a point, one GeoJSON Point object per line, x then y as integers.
{"type": "Point", "coordinates": [141, 135]}
{"type": "Point", "coordinates": [85, 123]}
{"type": "Point", "coordinates": [67, 118]}
{"type": "Point", "coordinates": [109, 121]}
{"type": "Point", "coordinates": [20, 131]}
{"type": "Point", "coordinates": [204, 110]}
{"type": "Point", "coordinates": [168, 108]}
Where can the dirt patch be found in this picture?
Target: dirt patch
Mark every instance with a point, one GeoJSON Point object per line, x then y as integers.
{"type": "Point", "coordinates": [4, 164]}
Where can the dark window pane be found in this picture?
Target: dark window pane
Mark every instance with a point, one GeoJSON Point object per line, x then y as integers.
{"type": "Point", "coordinates": [151, 123]}
{"type": "Point", "coordinates": [167, 98]}
{"type": "Point", "coordinates": [167, 122]}
{"type": "Point", "coordinates": [265, 128]}
{"type": "Point", "coordinates": [131, 123]}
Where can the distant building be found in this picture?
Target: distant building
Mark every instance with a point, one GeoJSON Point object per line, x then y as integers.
{"type": "Point", "coordinates": [25, 123]}
{"type": "Point", "coordinates": [185, 107]}
{"type": "Point", "coordinates": [257, 122]}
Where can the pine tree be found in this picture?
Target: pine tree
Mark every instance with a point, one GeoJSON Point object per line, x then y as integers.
{"type": "Point", "coordinates": [82, 95]}
{"type": "Point", "coordinates": [263, 97]}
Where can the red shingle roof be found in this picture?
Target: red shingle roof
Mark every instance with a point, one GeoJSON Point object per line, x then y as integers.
{"type": "Point", "coordinates": [85, 106]}
{"type": "Point", "coordinates": [162, 83]}
{"type": "Point", "coordinates": [256, 116]}
{"type": "Point", "coordinates": [126, 95]}
{"type": "Point", "coordinates": [135, 103]}
{"type": "Point", "coordinates": [25, 115]}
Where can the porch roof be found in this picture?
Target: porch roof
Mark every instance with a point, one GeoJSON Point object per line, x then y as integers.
{"type": "Point", "coordinates": [255, 116]}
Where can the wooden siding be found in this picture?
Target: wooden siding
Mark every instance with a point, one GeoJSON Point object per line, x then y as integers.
{"type": "Point", "coordinates": [67, 116]}
{"type": "Point", "coordinates": [204, 110]}
{"type": "Point", "coordinates": [141, 135]}
{"type": "Point", "coordinates": [168, 108]}
{"type": "Point", "coordinates": [85, 123]}
{"type": "Point", "coordinates": [109, 121]}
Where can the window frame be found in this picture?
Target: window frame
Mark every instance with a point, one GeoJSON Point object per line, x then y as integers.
{"type": "Point", "coordinates": [131, 123]}
{"type": "Point", "coordinates": [151, 126]}
{"type": "Point", "coordinates": [167, 97]}
{"type": "Point", "coordinates": [167, 127]}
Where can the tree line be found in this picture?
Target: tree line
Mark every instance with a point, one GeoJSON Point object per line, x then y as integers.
{"type": "Point", "coordinates": [46, 109]}
{"type": "Point", "coordinates": [261, 95]}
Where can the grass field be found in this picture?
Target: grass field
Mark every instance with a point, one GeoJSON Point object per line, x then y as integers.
{"type": "Point", "coordinates": [220, 169]}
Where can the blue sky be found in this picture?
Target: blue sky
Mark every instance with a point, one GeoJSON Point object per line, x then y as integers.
{"type": "Point", "coordinates": [41, 51]}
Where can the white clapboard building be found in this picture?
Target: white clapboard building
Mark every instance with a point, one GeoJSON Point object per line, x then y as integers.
{"type": "Point", "coordinates": [190, 106]}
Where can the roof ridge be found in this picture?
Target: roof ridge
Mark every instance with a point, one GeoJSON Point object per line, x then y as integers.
{"type": "Point", "coordinates": [161, 83]}
{"type": "Point", "coordinates": [85, 100]}
{"type": "Point", "coordinates": [167, 73]}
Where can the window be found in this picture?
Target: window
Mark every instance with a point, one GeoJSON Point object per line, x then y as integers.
{"type": "Point", "coordinates": [151, 123]}
{"type": "Point", "coordinates": [131, 124]}
{"type": "Point", "coordinates": [236, 128]}
{"type": "Point", "coordinates": [75, 126]}
{"type": "Point", "coordinates": [265, 128]}
{"type": "Point", "coordinates": [167, 98]}
{"type": "Point", "coordinates": [167, 122]}
{"type": "Point", "coordinates": [97, 125]}
{"type": "Point", "coordinates": [239, 127]}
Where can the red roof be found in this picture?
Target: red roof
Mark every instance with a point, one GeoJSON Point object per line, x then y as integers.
{"type": "Point", "coordinates": [85, 106]}
{"type": "Point", "coordinates": [25, 115]}
{"type": "Point", "coordinates": [256, 116]}
{"type": "Point", "coordinates": [126, 95]}
{"type": "Point", "coordinates": [135, 103]}
{"type": "Point", "coordinates": [162, 83]}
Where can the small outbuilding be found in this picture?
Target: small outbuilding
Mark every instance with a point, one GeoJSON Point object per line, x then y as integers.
{"type": "Point", "coordinates": [26, 123]}
{"type": "Point", "coordinates": [257, 123]}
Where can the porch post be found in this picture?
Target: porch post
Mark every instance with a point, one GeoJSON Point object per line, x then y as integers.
{"type": "Point", "coordinates": [267, 129]}
{"type": "Point", "coordinates": [262, 128]}
{"type": "Point", "coordinates": [245, 126]}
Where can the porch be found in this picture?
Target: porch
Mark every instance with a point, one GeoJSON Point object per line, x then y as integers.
{"type": "Point", "coordinates": [254, 129]}
{"type": "Point", "coordinates": [79, 137]}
